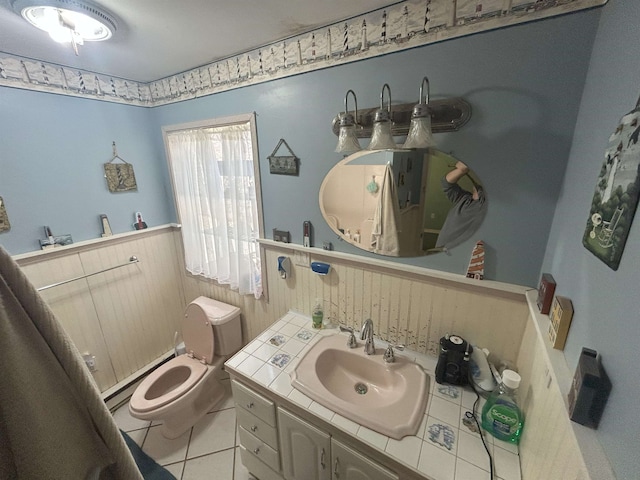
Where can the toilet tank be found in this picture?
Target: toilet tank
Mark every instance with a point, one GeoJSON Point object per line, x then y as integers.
{"type": "Point", "coordinates": [225, 319]}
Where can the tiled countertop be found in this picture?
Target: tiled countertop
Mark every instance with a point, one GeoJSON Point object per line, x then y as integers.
{"type": "Point", "coordinates": [444, 447]}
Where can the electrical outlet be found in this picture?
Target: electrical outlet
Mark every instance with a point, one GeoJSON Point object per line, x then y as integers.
{"type": "Point", "coordinates": [90, 361]}
{"type": "Point", "coordinates": [301, 259]}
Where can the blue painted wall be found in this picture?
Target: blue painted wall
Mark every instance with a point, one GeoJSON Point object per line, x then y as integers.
{"type": "Point", "coordinates": [606, 302]}
{"type": "Point", "coordinates": [51, 167]}
{"type": "Point", "coordinates": [524, 84]}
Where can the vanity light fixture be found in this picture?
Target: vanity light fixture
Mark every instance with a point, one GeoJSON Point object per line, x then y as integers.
{"type": "Point", "coordinates": [420, 135]}
{"type": "Point", "coordinates": [68, 21]}
{"type": "Point", "coordinates": [347, 139]}
{"type": "Point", "coordinates": [381, 138]}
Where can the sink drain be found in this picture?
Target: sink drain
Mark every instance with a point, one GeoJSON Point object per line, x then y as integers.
{"type": "Point", "coordinates": [361, 388]}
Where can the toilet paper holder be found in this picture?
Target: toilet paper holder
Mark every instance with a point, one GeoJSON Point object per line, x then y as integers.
{"type": "Point", "coordinates": [283, 266]}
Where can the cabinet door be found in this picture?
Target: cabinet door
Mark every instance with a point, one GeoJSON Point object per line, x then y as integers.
{"type": "Point", "coordinates": [350, 465]}
{"type": "Point", "coordinates": [305, 449]}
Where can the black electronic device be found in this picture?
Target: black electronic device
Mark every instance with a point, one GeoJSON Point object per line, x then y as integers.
{"type": "Point", "coordinates": [589, 391]}
{"type": "Point", "coordinates": [453, 360]}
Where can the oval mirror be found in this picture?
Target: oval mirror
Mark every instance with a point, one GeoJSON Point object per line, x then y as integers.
{"type": "Point", "coordinates": [402, 203]}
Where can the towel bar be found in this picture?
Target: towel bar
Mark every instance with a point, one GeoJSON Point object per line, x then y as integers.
{"type": "Point", "coordinates": [132, 259]}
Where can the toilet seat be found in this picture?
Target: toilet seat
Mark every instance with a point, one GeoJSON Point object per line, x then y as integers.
{"type": "Point", "coordinates": [182, 370]}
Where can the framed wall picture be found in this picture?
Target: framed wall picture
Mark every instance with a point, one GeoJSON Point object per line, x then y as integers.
{"type": "Point", "coordinates": [283, 164]}
{"type": "Point", "coordinates": [5, 226]}
{"type": "Point", "coordinates": [616, 195]}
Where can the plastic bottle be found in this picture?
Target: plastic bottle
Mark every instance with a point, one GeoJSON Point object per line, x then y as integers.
{"type": "Point", "coordinates": [317, 314]}
{"type": "Point", "coordinates": [501, 415]}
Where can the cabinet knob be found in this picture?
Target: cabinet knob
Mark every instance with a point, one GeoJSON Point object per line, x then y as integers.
{"type": "Point", "coordinates": [256, 450]}
{"type": "Point", "coordinates": [336, 467]}
{"type": "Point", "coordinates": [322, 463]}
{"type": "Point", "coordinates": [254, 428]}
{"type": "Point", "coordinates": [250, 405]}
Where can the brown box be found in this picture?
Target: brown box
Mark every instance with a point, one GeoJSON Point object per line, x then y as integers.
{"type": "Point", "coordinates": [560, 316]}
{"type": "Point", "coordinates": [546, 289]}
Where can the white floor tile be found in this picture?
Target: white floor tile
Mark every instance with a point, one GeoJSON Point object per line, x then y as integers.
{"type": "Point", "coordinates": [138, 436]}
{"type": "Point", "coordinates": [175, 469]}
{"type": "Point", "coordinates": [436, 463]}
{"type": "Point", "coordinates": [216, 465]}
{"type": "Point", "coordinates": [126, 422]}
{"type": "Point", "coordinates": [215, 432]}
{"type": "Point", "coordinates": [163, 450]}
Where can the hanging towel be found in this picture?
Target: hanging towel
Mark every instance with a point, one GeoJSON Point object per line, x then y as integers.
{"type": "Point", "coordinates": [53, 423]}
{"type": "Point", "coordinates": [384, 235]}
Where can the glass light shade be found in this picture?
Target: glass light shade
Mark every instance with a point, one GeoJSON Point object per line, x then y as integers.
{"type": "Point", "coordinates": [347, 140]}
{"type": "Point", "coordinates": [381, 138]}
{"type": "Point", "coordinates": [61, 23]}
{"type": "Point", "coordinates": [420, 135]}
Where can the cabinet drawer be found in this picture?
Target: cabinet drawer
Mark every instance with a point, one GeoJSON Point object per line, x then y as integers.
{"type": "Point", "coordinates": [260, 449]}
{"type": "Point", "coordinates": [256, 467]}
{"type": "Point", "coordinates": [257, 427]}
{"type": "Point", "coordinates": [254, 403]}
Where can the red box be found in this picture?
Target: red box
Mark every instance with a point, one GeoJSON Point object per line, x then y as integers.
{"type": "Point", "coordinates": [546, 289]}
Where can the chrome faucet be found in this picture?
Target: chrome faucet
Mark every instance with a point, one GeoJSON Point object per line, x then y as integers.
{"type": "Point", "coordinates": [366, 334]}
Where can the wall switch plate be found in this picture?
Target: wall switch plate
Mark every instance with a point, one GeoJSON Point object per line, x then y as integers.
{"type": "Point", "coordinates": [301, 259]}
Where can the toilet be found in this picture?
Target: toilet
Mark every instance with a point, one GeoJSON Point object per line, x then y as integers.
{"type": "Point", "coordinates": [184, 389]}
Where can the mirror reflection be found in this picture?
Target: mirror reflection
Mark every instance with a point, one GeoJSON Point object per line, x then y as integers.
{"type": "Point", "coordinates": [403, 203]}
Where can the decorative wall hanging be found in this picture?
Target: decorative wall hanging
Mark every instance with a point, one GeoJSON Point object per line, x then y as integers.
{"type": "Point", "coordinates": [617, 191]}
{"type": "Point", "coordinates": [120, 176]}
{"type": "Point", "coordinates": [283, 165]}
{"type": "Point", "coordinates": [139, 224]}
{"type": "Point", "coordinates": [398, 27]}
{"type": "Point", "coordinates": [5, 226]}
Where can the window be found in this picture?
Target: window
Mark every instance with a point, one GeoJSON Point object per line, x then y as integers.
{"type": "Point", "coordinates": [215, 176]}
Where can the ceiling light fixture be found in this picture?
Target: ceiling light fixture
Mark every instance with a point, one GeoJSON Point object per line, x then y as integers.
{"type": "Point", "coordinates": [68, 21]}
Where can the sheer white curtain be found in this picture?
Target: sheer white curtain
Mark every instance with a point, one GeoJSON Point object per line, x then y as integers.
{"type": "Point", "coordinates": [215, 190]}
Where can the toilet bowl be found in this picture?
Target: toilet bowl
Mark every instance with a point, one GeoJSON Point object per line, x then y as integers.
{"type": "Point", "coordinates": [184, 389]}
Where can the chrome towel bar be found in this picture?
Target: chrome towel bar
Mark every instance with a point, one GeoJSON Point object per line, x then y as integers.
{"type": "Point", "coordinates": [132, 259]}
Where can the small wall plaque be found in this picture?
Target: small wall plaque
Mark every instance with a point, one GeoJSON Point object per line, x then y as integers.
{"type": "Point", "coordinates": [283, 165]}
{"type": "Point", "coordinates": [560, 316]}
{"type": "Point", "coordinates": [120, 176]}
{"type": "Point", "coordinates": [546, 289]}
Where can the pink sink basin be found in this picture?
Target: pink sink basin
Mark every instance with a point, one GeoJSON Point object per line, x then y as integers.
{"type": "Point", "coordinates": [389, 398]}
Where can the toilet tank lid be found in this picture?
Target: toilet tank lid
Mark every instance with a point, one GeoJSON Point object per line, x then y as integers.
{"type": "Point", "coordinates": [217, 312]}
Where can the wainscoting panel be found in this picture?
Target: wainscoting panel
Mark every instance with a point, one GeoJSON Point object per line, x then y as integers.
{"type": "Point", "coordinates": [140, 305]}
{"type": "Point", "coordinates": [405, 308]}
{"type": "Point", "coordinates": [73, 307]}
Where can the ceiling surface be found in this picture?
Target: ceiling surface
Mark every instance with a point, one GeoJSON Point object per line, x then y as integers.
{"type": "Point", "coordinates": [158, 38]}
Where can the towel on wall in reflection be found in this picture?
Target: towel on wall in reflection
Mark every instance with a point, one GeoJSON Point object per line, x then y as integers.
{"type": "Point", "coordinates": [384, 235]}
{"type": "Point", "coordinates": [53, 422]}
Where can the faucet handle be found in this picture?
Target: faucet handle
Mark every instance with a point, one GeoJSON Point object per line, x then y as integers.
{"type": "Point", "coordinates": [352, 342]}
{"type": "Point", "coordinates": [389, 356]}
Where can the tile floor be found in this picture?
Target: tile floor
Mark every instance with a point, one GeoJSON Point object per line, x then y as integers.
{"type": "Point", "coordinates": [208, 450]}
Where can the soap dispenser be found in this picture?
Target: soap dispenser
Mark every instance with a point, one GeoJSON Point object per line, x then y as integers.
{"type": "Point", "coordinates": [317, 314]}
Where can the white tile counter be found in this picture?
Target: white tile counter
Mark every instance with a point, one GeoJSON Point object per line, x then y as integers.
{"type": "Point", "coordinates": [444, 448]}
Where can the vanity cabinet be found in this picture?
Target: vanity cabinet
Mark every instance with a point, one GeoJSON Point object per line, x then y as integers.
{"type": "Point", "coordinates": [312, 454]}
{"type": "Point", "coordinates": [257, 430]}
{"type": "Point", "coordinates": [305, 449]}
